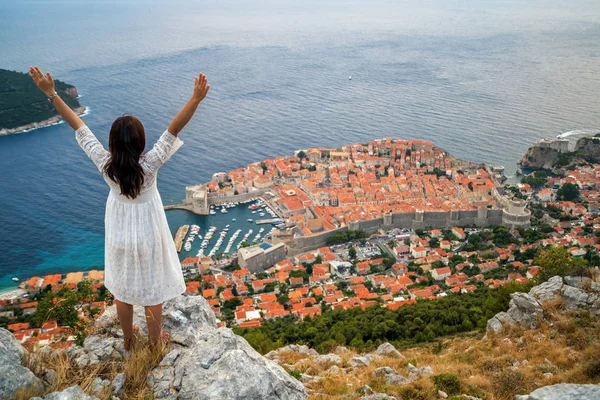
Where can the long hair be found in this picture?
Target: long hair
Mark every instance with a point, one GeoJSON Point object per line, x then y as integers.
{"type": "Point", "coordinates": [126, 143]}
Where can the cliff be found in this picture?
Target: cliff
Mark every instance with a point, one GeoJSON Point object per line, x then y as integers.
{"type": "Point", "coordinates": [543, 157]}
{"type": "Point", "coordinates": [23, 107]}
{"type": "Point", "coordinates": [203, 362]}
{"type": "Point", "coordinates": [588, 148]}
{"type": "Point", "coordinates": [547, 337]}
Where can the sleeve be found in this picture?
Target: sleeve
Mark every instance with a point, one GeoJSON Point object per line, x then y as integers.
{"type": "Point", "coordinates": [163, 149]}
{"type": "Point", "coordinates": [92, 146]}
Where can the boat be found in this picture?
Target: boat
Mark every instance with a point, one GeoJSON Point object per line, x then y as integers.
{"type": "Point", "coordinates": [249, 220]}
{"type": "Point", "coordinates": [211, 212]}
{"type": "Point", "coordinates": [15, 279]}
{"type": "Point", "coordinates": [233, 220]}
{"type": "Point", "coordinates": [350, 78]}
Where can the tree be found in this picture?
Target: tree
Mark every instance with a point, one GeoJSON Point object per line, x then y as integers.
{"type": "Point", "coordinates": [352, 253]}
{"type": "Point", "coordinates": [301, 154]}
{"type": "Point", "coordinates": [568, 192]}
{"type": "Point", "coordinates": [434, 243]}
{"type": "Point", "coordinates": [557, 261]}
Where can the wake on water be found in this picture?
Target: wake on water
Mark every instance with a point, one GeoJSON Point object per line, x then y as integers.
{"type": "Point", "coordinates": [579, 132]}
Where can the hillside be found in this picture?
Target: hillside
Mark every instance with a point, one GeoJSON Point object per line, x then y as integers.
{"type": "Point", "coordinates": [546, 337]}
{"type": "Point", "coordinates": [542, 156]}
{"type": "Point", "coordinates": [23, 106]}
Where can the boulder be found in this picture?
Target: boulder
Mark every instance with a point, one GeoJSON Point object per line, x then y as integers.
{"type": "Point", "coordinates": [328, 359]}
{"type": "Point", "coordinates": [525, 309]}
{"type": "Point", "coordinates": [72, 393]}
{"type": "Point", "coordinates": [499, 321]}
{"type": "Point", "coordinates": [395, 379]}
{"type": "Point", "coordinates": [211, 363]}
{"type": "Point", "coordinates": [576, 299]}
{"type": "Point", "coordinates": [363, 361]}
{"type": "Point", "coordinates": [414, 372]}
{"type": "Point", "coordinates": [378, 396]}
{"type": "Point", "coordinates": [383, 371]}
{"type": "Point", "coordinates": [564, 391]}
{"type": "Point", "coordinates": [549, 290]}
{"type": "Point", "coordinates": [118, 385]}
{"type": "Point", "coordinates": [13, 376]}
{"type": "Point", "coordinates": [388, 350]}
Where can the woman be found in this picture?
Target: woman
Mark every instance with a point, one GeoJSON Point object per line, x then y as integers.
{"type": "Point", "coordinates": [141, 263]}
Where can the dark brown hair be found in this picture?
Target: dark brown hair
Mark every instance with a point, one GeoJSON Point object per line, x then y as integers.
{"type": "Point", "coordinates": [126, 143]}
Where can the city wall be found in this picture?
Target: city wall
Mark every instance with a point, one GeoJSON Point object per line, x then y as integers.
{"type": "Point", "coordinates": [414, 220]}
{"type": "Point", "coordinates": [213, 199]}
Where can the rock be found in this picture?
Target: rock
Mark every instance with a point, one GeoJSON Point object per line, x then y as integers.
{"type": "Point", "coordinates": [340, 349]}
{"type": "Point", "coordinates": [525, 309]}
{"type": "Point", "coordinates": [272, 355]}
{"type": "Point", "coordinates": [72, 393]}
{"type": "Point", "coordinates": [549, 290]}
{"type": "Point", "coordinates": [548, 375]}
{"type": "Point", "coordinates": [442, 394]}
{"type": "Point", "coordinates": [49, 378]}
{"type": "Point", "coordinates": [466, 396]}
{"type": "Point", "coordinates": [387, 349]}
{"type": "Point", "coordinates": [334, 369]}
{"type": "Point", "coordinates": [215, 363]}
{"type": "Point", "coordinates": [99, 384]}
{"type": "Point", "coordinates": [360, 361]}
{"type": "Point", "coordinates": [182, 316]}
{"type": "Point", "coordinates": [366, 390]}
{"type": "Point", "coordinates": [414, 372]}
{"type": "Point", "coordinates": [383, 371]}
{"type": "Point", "coordinates": [100, 348]}
{"type": "Point", "coordinates": [579, 282]}
{"type": "Point", "coordinates": [118, 385]}
{"type": "Point", "coordinates": [13, 376]}
{"type": "Point", "coordinates": [378, 396]}
{"type": "Point", "coordinates": [499, 321]}
{"type": "Point", "coordinates": [328, 359]}
{"type": "Point", "coordinates": [564, 391]}
{"type": "Point", "coordinates": [395, 379]}
{"type": "Point", "coordinates": [575, 299]}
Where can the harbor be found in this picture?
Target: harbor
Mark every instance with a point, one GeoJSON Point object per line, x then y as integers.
{"type": "Point", "coordinates": [220, 234]}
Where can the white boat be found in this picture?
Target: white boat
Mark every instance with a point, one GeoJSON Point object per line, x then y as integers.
{"type": "Point", "coordinates": [233, 220]}
{"type": "Point", "coordinates": [212, 212]}
{"type": "Point", "coordinates": [249, 220]}
{"type": "Point", "coordinates": [15, 279]}
{"type": "Point", "coordinates": [350, 78]}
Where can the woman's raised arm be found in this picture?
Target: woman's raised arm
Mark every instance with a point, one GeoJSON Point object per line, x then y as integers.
{"type": "Point", "coordinates": [184, 115]}
{"type": "Point", "coordinates": [46, 85]}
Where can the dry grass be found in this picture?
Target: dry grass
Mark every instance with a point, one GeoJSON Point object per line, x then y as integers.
{"type": "Point", "coordinates": [566, 345]}
{"type": "Point", "coordinates": [136, 367]}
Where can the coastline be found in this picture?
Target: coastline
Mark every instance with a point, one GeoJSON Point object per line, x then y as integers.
{"type": "Point", "coordinates": [80, 111]}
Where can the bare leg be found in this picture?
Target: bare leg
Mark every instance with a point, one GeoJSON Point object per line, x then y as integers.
{"type": "Point", "coordinates": [154, 320]}
{"type": "Point", "coordinates": [125, 314]}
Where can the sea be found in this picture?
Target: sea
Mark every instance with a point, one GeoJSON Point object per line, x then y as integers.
{"type": "Point", "coordinates": [483, 79]}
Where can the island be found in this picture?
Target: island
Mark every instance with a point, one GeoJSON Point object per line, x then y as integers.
{"type": "Point", "coordinates": [23, 107]}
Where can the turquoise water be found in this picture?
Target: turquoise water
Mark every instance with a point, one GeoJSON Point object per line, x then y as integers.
{"type": "Point", "coordinates": [482, 79]}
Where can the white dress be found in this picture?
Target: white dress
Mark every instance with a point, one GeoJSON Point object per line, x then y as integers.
{"type": "Point", "coordinates": [141, 263]}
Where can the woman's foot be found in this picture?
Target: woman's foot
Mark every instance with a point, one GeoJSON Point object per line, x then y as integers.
{"type": "Point", "coordinates": [130, 342]}
{"type": "Point", "coordinates": [164, 339]}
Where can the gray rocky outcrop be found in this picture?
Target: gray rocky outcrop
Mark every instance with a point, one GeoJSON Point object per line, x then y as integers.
{"type": "Point", "coordinates": [328, 359]}
{"type": "Point", "coordinates": [13, 376]}
{"type": "Point", "coordinates": [388, 350]}
{"type": "Point", "coordinates": [207, 362]}
{"type": "Point", "coordinates": [72, 393]}
{"type": "Point", "coordinates": [526, 309]}
{"type": "Point", "coordinates": [414, 372]}
{"type": "Point", "coordinates": [364, 360]}
{"type": "Point", "coordinates": [564, 391]}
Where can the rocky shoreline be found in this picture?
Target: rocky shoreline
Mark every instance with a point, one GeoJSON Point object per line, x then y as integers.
{"type": "Point", "coordinates": [41, 124]}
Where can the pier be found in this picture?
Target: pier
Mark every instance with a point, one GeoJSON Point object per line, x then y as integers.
{"type": "Point", "coordinates": [180, 235]}
{"type": "Point", "coordinates": [266, 221]}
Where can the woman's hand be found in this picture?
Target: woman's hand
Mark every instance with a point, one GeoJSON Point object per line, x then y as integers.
{"type": "Point", "coordinates": [45, 83]}
{"type": "Point", "coordinates": [201, 87]}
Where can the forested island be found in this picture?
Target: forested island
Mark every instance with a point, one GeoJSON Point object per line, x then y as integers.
{"type": "Point", "coordinates": [23, 107]}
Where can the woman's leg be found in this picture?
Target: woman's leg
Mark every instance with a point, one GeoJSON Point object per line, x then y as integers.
{"type": "Point", "coordinates": [125, 314]}
{"type": "Point", "coordinates": [154, 320]}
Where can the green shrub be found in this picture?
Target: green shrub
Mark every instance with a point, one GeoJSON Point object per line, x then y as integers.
{"type": "Point", "coordinates": [448, 383]}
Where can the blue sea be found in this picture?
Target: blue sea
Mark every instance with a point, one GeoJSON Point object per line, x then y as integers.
{"type": "Point", "coordinates": [482, 79]}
